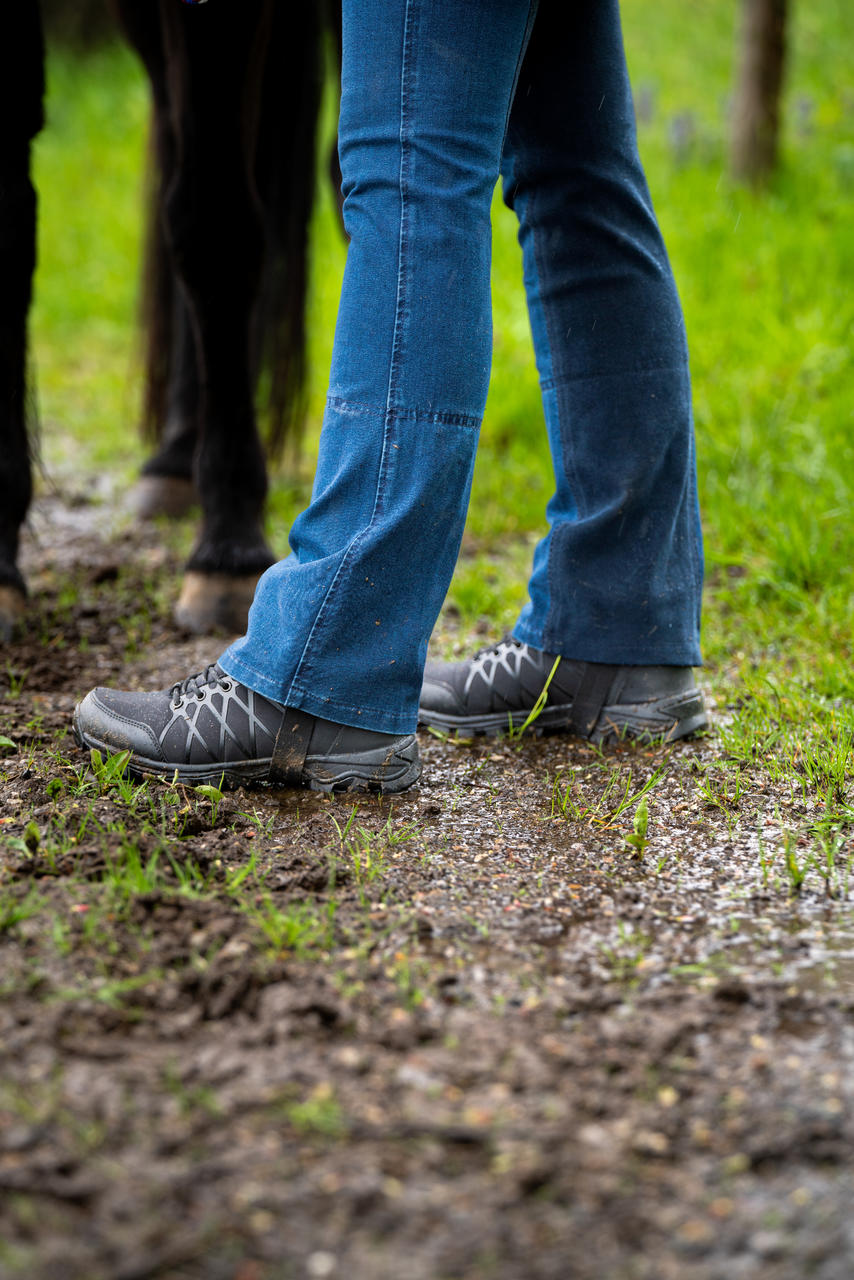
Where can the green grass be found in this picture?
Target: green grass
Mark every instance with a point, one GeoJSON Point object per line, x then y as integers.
{"type": "Point", "coordinates": [105, 844]}
{"type": "Point", "coordinates": [89, 173]}
{"type": "Point", "coordinates": [766, 284]}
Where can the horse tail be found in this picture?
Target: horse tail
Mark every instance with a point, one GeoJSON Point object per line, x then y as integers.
{"type": "Point", "coordinates": [282, 108]}
{"type": "Point", "coordinates": [156, 299]}
{"type": "Point", "coordinates": [288, 109]}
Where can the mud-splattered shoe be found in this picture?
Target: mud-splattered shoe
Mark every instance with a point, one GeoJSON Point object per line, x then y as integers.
{"type": "Point", "coordinates": [497, 689]}
{"type": "Point", "coordinates": [211, 727]}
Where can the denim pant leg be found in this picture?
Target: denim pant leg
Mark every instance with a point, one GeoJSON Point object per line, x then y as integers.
{"type": "Point", "coordinates": [340, 628]}
{"type": "Point", "coordinates": [618, 578]}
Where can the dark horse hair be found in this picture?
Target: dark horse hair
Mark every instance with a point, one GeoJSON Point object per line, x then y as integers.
{"type": "Point", "coordinates": [280, 116]}
{"type": "Point", "coordinates": [236, 94]}
{"type": "Point", "coordinates": [22, 115]}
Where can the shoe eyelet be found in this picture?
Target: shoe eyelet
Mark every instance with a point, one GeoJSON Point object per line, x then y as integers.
{"type": "Point", "coordinates": [200, 696]}
{"type": "Point", "coordinates": [176, 706]}
{"type": "Point", "coordinates": [225, 684]}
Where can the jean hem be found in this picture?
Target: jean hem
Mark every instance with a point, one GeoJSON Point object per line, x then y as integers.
{"type": "Point", "coordinates": [242, 671]}
{"type": "Point", "coordinates": [583, 649]}
{"type": "Point", "coordinates": [373, 718]}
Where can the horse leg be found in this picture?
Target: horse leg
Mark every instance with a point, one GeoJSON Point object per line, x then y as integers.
{"type": "Point", "coordinates": [21, 122]}
{"type": "Point", "coordinates": [214, 229]}
{"type": "Point", "coordinates": [17, 261]}
{"type": "Point", "coordinates": [171, 401]}
{"type": "Point", "coordinates": [166, 486]}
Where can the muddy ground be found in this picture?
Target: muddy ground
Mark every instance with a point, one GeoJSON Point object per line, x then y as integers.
{"type": "Point", "coordinates": [474, 1033]}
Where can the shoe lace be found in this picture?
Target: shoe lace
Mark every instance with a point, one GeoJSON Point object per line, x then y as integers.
{"type": "Point", "coordinates": [213, 674]}
{"type": "Point", "coordinates": [493, 650]}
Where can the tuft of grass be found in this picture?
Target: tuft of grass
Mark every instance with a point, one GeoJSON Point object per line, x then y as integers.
{"type": "Point", "coordinates": [366, 853]}
{"type": "Point", "coordinates": [214, 795]}
{"type": "Point", "coordinates": [537, 709]}
{"type": "Point", "coordinates": [319, 1114]}
{"type": "Point", "coordinates": [301, 929]}
{"type": "Point", "coordinates": [608, 805]}
{"type": "Point", "coordinates": [637, 839]}
{"type": "Point", "coordinates": [16, 907]}
{"type": "Point", "coordinates": [796, 868]}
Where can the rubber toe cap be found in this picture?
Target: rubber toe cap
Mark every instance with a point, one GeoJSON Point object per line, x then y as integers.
{"type": "Point", "coordinates": [105, 719]}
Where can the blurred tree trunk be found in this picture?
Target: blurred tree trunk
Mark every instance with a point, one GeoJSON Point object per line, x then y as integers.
{"type": "Point", "coordinates": [756, 107]}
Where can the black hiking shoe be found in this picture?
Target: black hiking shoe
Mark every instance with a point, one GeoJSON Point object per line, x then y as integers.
{"type": "Point", "coordinates": [210, 727]}
{"type": "Point", "coordinates": [496, 691]}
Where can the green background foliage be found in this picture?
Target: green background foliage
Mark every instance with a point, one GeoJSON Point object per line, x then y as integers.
{"type": "Point", "coordinates": [766, 283]}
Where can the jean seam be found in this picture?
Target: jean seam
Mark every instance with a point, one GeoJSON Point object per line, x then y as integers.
{"type": "Point", "coordinates": [564, 431]}
{"type": "Point", "coordinates": [521, 206]}
{"type": "Point", "coordinates": [404, 179]}
{"type": "Point", "coordinates": [529, 26]}
{"type": "Point", "coordinates": [397, 343]}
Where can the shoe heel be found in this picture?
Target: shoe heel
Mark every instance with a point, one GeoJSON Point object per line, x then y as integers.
{"type": "Point", "coordinates": [378, 772]}
{"type": "Point", "coordinates": [666, 720]}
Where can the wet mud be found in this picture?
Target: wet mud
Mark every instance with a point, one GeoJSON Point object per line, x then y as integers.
{"type": "Point", "coordinates": [473, 1033]}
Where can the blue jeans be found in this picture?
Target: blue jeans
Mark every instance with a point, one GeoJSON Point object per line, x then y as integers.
{"type": "Point", "coordinates": [437, 97]}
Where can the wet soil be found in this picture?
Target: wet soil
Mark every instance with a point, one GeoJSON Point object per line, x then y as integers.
{"type": "Point", "coordinates": [472, 1034]}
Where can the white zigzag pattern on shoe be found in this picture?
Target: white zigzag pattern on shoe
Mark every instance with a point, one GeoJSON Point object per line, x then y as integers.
{"type": "Point", "coordinates": [509, 656]}
{"type": "Point", "coordinates": [229, 695]}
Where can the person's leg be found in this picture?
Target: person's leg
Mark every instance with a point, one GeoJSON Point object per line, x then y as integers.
{"type": "Point", "coordinates": [619, 575]}
{"type": "Point", "coordinates": [338, 632]}
{"type": "Point", "coordinates": [341, 627]}
{"type": "Point", "coordinates": [616, 582]}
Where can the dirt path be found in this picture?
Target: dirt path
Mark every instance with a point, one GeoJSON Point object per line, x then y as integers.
{"type": "Point", "coordinates": [469, 1034]}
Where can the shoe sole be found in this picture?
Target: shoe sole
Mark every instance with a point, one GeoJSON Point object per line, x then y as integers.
{"type": "Point", "coordinates": [664, 720]}
{"type": "Point", "coordinates": [373, 772]}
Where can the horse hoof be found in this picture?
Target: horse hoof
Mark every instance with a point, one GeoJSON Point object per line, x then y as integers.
{"type": "Point", "coordinates": [13, 604]}
{"type": "Point", "coordinates": [212, 602]}
{"type": "Point", "coordinates": [169, 496]}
